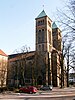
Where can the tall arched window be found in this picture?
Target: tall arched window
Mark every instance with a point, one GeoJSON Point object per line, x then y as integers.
{"type": "Point", "coordinates": [39, 36]}
{"type": "Point", "coordinates": [42, 47]}
{"type": "Point", "coordinates": [42, 35]}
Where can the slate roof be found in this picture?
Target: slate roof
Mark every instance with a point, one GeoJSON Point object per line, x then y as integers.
{"type": "Point", "coordinates": [2, 53]}
{"type": "Point", "coordinates": [17, 56]}
{"type": "Point", "coordinates": [54, 25]}
{"type": "Point", "coordinates": [42, 14]}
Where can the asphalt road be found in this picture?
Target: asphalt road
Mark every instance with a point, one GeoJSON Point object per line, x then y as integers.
{"type": "Point", "coordinates": [55, 94]}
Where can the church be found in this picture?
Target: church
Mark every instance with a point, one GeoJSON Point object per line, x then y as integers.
{"type": "Point", "coordinates": [42, 66]}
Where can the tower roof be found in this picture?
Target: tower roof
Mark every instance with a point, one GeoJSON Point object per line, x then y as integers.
{"type": "Point", "coordinates": [42, 14]}
{"type": "Point", "coordinates": [54, 25]}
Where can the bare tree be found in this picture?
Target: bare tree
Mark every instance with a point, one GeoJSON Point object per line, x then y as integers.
{"type": "Point", "coordinates": [18, 63]}
{"type": "Point", "coordinates": [22, 62]}
{"type": "Point", "coordinates": [66, 19]}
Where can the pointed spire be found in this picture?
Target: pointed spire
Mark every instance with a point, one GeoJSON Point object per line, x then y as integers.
{"type": "Point", "coordinates": [42, 14]}
{"type": "Point", "coordinates": [54, 25]}
{"type": "Point", "coordinates": [43, 7]}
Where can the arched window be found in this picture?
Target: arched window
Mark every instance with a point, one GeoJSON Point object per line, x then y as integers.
{"type": "Point", "coordinates": [42, 35]}
{"type": "Point", "coordinates": [39, 36]}
{"type": "Point", "coordinates": [42, 47]}
{"type": "Point", "coordinates": [41, 22]}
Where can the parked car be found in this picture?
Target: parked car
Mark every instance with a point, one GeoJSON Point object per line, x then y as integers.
{"type": "Point", "coordinates": [49, 87]}
{"type": "Point", "coordinates": [29, 89]}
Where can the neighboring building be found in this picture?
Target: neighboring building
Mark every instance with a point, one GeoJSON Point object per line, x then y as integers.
{"type": "Point", "coordinates": [43, 65]}
{"type": "Point", "coordinates": [20, 69]}
{"type": "Point", "coordinates": [3, 68]}
{"type": "Point", "coordinates": [72, 78]}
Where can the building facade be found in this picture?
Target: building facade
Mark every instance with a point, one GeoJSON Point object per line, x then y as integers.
{"type": "Point", "coordinates": [3, 68]}
{"type": "Point", "coordinates": [40, 67]}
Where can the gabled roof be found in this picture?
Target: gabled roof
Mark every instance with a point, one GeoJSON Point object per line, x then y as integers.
{"type": "Point", "coordinates": [2, 53]}
{"type": "Point", "coordinates": [42, 14]}
{"type": "Point", "coordinates": [14, 57]}
{"type": "Point", "coordinates": [54, 25]}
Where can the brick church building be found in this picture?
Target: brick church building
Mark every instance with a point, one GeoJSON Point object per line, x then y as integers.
{"type": "Point", "coordinates": [41, 66]}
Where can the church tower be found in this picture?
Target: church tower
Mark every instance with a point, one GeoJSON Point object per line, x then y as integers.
{"type": "Point", "coordinates": [56, 37]}
{"type": "Point", "coordinates": [43, 32]}
{"type": "Point", "coordinates": [48, 45]}
{"type": "Point", "coordinates": [56, 68]}
{"type": "Point", "coordinates": [44, 43]}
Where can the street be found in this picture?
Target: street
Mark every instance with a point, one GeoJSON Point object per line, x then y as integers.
{"type": "Point", "coordinates": [55, 94]}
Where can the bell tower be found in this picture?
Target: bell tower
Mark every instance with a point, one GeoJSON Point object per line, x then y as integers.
{"type": "Point", "coordinates": [56, 32]}
{"type": "Point", "coordinates": [43, 32]}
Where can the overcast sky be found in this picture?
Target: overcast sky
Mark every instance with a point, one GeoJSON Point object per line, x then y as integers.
{"type": "Point", "coordinates": [17, 21]}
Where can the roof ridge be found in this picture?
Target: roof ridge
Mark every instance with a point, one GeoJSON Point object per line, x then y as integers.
{"type": "Point", "coordinates": [2, 53]}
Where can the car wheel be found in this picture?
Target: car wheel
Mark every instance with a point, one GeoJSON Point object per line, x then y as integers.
{"type": "Point", "coordinates": [34, 92]}
{"type": "Point", "coordinates": [20, 91]}
{"type": "Point", "coordinates": [30, 92]}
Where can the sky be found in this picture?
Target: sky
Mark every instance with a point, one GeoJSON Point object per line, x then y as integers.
{"type": "Point", "coordinates": [17, 22]}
